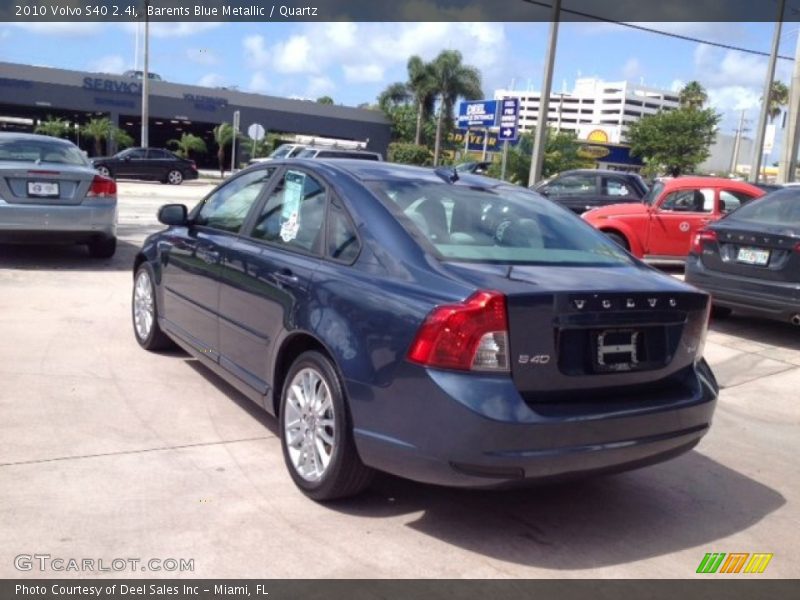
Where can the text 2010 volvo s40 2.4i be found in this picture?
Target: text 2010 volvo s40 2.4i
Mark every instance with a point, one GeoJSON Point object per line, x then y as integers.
{"type": "Point", "coordinates": [448, 329]}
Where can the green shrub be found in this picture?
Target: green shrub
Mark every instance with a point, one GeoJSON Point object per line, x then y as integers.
{"type": "Point", "coordinates": [410, 154]}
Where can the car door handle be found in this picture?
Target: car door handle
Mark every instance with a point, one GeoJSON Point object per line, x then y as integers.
{"type": "Point", "coordinates": [285, 277]}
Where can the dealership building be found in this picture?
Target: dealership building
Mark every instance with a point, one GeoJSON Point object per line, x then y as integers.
{"type": "Point", "coordinates": [30, 94]}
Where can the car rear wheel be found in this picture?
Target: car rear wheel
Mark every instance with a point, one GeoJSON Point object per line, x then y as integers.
{"type": "Point", "coordinates": [103, 247]}
{"type": "Point", "coordinates": [104, 171]}
{"type": "Point", "coordinates": [617, 239]}
{"type": "Point", "coordinates": [175, 177]}
{"type": "Point", "coordinates": [145, 313]}
{"type": "Point", "coordinates": [316, 432]}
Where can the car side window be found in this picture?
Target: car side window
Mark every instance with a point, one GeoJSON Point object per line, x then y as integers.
{"type": "Point", "coordinates": [343, 244]}
{"type": "Point", "coordinates": [615, 187]}
{"type": "Point", "coordinates": [572, 185]}
{"type": "Point", "coordinates": [692, 200]}
{"type": "Point", "coordinates": [227, 208]}
{"type": "Point", "coordinates": [157, 154]}
{"type": "Point", "coordinates": [136, 154]}
{"type": "Point", "coordinates": [294, 214]}
{"type": "Point", "coordinates": [730, 200]}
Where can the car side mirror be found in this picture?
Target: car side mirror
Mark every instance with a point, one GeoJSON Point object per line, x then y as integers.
{"type": "Point", "coordinates": [173, 214]}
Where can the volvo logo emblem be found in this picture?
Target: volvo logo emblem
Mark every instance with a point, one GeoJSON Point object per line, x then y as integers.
{"type": "Point", "coordinates": [652, 302]}
{"type": "Point", "coordinates": [579, 304]}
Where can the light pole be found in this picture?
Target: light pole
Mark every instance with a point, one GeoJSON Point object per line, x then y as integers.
{"type": "Point", "coordinates": [537, 158]}
{"type": "Point", "coordinates": [755, 170]}
{"type": "Point", "coordinates": [786, 168]}
{"type": "Point", "coordinates": [146, 81]}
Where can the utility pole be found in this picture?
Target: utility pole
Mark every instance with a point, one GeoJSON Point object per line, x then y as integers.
{"type": "Point", "coordinates": [737, 143]}
{"type": "Point", "coordinates": [791, 138]}
{"type": "Point", "coordinates": [146, 81]}
{"type": "Point", "coordinates": [537, 158]}
{"type": "Point", "coordinates": [755, 170]}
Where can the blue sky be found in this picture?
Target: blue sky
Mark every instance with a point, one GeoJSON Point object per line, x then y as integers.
{"type": "Point", "coordinates": [352, 62]}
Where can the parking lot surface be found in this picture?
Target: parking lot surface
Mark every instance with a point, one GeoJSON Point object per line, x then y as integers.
{"type": "Point", "coordinates": [107, 451]}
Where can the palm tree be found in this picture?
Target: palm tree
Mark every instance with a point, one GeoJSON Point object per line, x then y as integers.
{"type": "Point", "coordinates": [223, 136]}
{"type": "Point", "coordinates": [98, 130]}
{"type": "Point", "coordinates": [324, 100]}
{"type": "Point", "coordinates": [55, 127]}
{"type": "Point", "coordinates": [393, 96]}
{"type": "Point", "coordinates": [778, 98]}
{"type": "Point", "coordinates": [189, 143]}
{"type": "Point", "coordinates": [454, 80]}
{"type": "Point", "coordinates": [693, 95]}
{"type": "Point", "coordinates": [422, 85]}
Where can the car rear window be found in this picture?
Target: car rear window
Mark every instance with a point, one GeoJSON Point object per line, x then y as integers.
{"type": "Point", "coordinates": [41, 150]}
{"type": "Point", "coordinates": [779, 208]}
{"type": "Point", "coordinates": [506, 225]}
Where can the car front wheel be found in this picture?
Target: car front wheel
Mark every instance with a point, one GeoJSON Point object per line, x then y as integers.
{"type": "Point", "coordinates": [316, 432]}
{"type": "Point", "coordinates": [618, 239]}
{"type": "Point", "coordinates": [175, 177]}
{"type": "Point", "coordinates": [145, 312]}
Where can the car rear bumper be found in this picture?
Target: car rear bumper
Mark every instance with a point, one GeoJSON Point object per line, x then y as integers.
{"type": "Point", "coordinates": [772, 299]}
{"type": "Point", "coordinates": [46, 222]}
{"type": "Point", "coordinates": [469, 430]}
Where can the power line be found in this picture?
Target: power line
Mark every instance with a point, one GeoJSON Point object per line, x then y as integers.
{"type": "Point", "coordinates": [678, 36]}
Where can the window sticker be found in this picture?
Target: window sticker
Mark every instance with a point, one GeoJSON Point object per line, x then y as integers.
{"type": "Point", "coordinates": [294, 184]}
{"type": "Point", "coordinates": [290, 228]}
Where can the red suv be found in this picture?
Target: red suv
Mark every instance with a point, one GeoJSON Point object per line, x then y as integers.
{"type": "Point", "coordinates": [660, 228]}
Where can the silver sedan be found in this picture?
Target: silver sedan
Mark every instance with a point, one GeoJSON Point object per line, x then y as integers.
{"type": "Point", "coordinates": [49, 192]}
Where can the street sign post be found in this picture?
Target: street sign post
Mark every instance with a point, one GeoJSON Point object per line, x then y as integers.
{"type": "Point", "coordinates": [509, 119]}
{"type": "Point", "coordinates": [236, 116]}
{"type": "Point", "coordinates": [256, 132]}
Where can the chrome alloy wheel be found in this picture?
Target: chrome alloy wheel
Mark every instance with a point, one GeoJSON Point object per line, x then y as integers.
{"type": "Point", "coordinates": [308, 424]}
{"type": "Point", "coordinates": [175, 177]}
{"type": "Point", "coordinates": [143, 305]}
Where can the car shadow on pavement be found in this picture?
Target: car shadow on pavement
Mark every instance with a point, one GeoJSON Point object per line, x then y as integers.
{"type": "Point", "coordinates": [65, 257]}
{"type": "Point", "coordinates": [689, 502]}
{"type": "Point", "coordinates": [761, 331]}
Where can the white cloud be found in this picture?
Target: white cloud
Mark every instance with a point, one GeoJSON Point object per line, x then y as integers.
{"type": "Point", "coordinates": [363, 74]}
{"type": "Point", "coordinates": [211, 80]}
{"type": "Point", "coordinates": [319, 85]}
{"type": "Point", "coordinates": [632, 69]}
{"type": "Point", "coordinates": [294, 56]}
{"type": "Point", "coordinates": [258, 83]}
{"type": "Point", "coordinates": [112, 63]}
{"type": "Point", "coordinates": [202, 56]}
{"type": "Point", "coordinates": [255, 51]}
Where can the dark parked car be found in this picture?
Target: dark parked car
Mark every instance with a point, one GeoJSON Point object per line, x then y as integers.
{"type": "Point", "coordinates": [584, 189]}
{"type": "Point", "coordinates": [334, 152]}
{"type": "Point", "coordinates": [453, 330]}
{"type": "Point", "coordinates": [750, 260]}
{"type": "Point", "coordinates": [154, 164]}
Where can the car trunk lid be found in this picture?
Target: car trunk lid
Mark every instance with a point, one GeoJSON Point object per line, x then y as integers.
{"type": "Point", "coordinates": [55, 184]}
{"type": "Point", "coordinates": [761, 251]}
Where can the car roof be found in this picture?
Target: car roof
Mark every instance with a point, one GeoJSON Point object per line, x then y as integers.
{"type": "Point", "coordinates": [365, 171]}
{"type": "Point", "coordinates": [699, 180]}
{"type": "Point", "coordinates": [13, 135]}
{"type": "Point", "coordinates": [596, 172]}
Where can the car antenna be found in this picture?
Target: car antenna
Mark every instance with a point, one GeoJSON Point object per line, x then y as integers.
{"type": "Point", "coordinates": [448, 175]}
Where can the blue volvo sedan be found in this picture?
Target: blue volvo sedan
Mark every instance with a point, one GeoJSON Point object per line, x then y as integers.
{"type": "Point", "coordinates": [443, 327]}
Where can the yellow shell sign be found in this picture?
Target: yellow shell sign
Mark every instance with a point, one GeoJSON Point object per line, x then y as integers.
{"type": "Point", "coordinates": [597, 135]}
{"type": "Point", "coordinates": [594, 152]}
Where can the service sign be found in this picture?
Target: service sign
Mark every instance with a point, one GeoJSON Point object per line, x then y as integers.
{"type": "Point", "coordinates": [479, 113]}
{"type": "Point", "coordinates": [509, 119]}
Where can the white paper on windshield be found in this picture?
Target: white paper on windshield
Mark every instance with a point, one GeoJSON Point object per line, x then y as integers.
{"type": "Point", "coordinates": [294, 184]}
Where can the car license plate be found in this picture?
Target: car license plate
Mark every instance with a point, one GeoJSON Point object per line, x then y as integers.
{"type": "Point", "coordinates": [617, 349]}
{"type": "Point", "coordinates": [43, 189]}
{"type": "Point", "coordinates": [753, 256]}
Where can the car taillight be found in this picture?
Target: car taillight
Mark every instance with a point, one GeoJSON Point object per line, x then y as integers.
{"type": "Point", "coordinates": [700, 238]}
{"type": "Point", "coordinates": [470, 336]}
{"type": "Point", "coordinates": [194, 165]}
{"type": "Point", "coordinates": [102, 187]}
{"type": "Point", "coordinates": [797, 247]}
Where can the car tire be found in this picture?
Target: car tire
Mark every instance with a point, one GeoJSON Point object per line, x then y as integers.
{"type": "Point", "coordinates": [315, 423]}
{"type": "Point", "coordinates": [175, 177]}
{"type": "Point", "coordinates": [720, 312]}
{"type": "Point", "coordinates": [104, 171]}
{"type": "Point", "coordinates": [144, 311]}
{"type": "Point", "coordinates": [617, 239]}
{"type": "Point", "coordinates": [102, 247]}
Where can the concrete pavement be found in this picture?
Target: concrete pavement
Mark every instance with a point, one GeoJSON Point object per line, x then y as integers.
{"type": "Point", "coordinates": [107, 451]}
